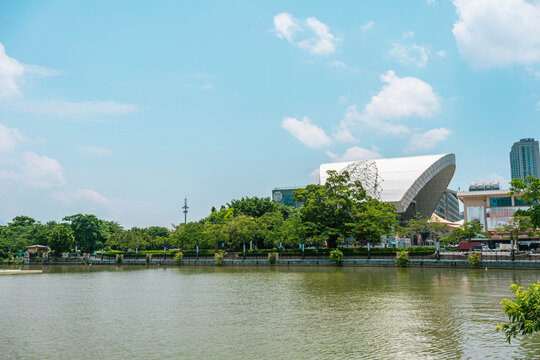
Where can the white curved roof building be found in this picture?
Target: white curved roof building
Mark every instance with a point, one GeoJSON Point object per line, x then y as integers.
{"type": "Point", "coordinates": [413, 184]}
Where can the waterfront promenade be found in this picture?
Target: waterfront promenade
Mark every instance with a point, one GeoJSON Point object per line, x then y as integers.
{"type": "Point", "coordinates": [524, 260]}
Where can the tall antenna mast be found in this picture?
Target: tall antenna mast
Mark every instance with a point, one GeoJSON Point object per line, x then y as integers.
{"type": "Point", "coordinates": [185, 207]}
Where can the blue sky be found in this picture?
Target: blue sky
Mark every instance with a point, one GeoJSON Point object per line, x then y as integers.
{"type": "Point", "coordinates": [123, 108]}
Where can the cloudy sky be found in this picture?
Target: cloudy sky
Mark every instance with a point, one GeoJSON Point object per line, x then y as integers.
{"type": "Point", "coordinates": [122, 109]}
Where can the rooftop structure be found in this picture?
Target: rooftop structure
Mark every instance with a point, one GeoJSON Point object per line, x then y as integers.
{"type": "Point", "coordinates": [413, 184]}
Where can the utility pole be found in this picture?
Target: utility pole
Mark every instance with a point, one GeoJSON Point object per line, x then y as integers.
{"type": "Point", "coordinates": [185, 207]}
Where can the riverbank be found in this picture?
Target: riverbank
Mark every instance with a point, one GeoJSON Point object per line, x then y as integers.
{"type": "Point", "coordinates": [384, 262]}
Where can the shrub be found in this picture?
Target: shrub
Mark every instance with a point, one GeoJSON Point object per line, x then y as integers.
{"type": "Point", "coordinates": [272, 258]}
{"type": "Point", "coordinates": [474, 259]}
{"type": "Point", "coordinates": [119, 258]}
{"type": "Point", "coordinates": [148, 258]}
{"type": "Point", "coordinates": [403, 259]}
{"type": "Point", "coordinates": [178, 257]}
{"type": "Point", "coordinates": [523, 312]}
{"type": "Point", "coordinates": [336, 256]}
{"type": "Point", "coordinates": [219, 257]}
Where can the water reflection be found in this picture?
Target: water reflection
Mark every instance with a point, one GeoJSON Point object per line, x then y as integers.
{"type": "Point", "coordinates": [116, 312]}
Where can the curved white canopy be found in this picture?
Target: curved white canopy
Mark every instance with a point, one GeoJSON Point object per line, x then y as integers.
{"type": "Point", "coordinates": [412, 184]}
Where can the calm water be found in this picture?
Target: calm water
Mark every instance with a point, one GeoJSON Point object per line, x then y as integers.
{"type": "Point", "coordinates": [258, 313]}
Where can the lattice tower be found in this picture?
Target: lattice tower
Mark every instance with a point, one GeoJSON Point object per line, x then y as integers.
{"type": "Point", "coordinates": [366, 171]}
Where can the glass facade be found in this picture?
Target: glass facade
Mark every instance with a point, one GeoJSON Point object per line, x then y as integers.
{"type": "Point", "coordinates": [498, 217]}
{"type": "Point", "coordinates": [448, 206]}
{"type": "Point", "coordinates": [500, 201]}
{"type": "Point", "coordinates": [525, 159]}
{"type": "Point", "coordinates": [285, 196]}
{"type": "Point", "coordinates": [475, 213]}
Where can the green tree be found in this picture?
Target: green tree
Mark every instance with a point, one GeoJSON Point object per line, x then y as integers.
{"type": "Point", "coordinates": [60, 239]}
{"type": "Point", "coordinates": [468, 231]}
{"type": "Point", "coordinates": [88, 231]}
{"type": "Point", "coordinates": [293, 231]}
{"type": "Point", "coordinates": [372, 219]}
{"type": "Point", "coordinates": [417, 226]}
{"type": "Point", "coordinates": [341, 207]}
{"type": "Point", "coordinates": [518, 225]}
{"type": "Point", "coordinates": [523, 312]}
{"type": "Point", "coordinates": [213, 235]}
{"type": "Point", "coordinates": [269, 229]}
{"type": "Point", "coordinates": [529, 193]}
{"type": "Point", "coordinates": [20, 233]}
{"type": "Point", "coordinates": [135, 238]}
{"type": "Point", "coordinates": [327, 211]}
{"type": "Point", "coordinates": [240, 230]}
{"type": "Point", "coordinates": [157, 231]}
{"type": "Point", "coordinates": [187, 236]}
{"type": "Point", "coordinates": [257, 207]}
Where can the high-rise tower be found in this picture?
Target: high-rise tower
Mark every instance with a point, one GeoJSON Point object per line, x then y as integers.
{"type": "Point", "coordinates": [525, 159]}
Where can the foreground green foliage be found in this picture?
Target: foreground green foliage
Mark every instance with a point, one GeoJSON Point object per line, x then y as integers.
{"type": "Point", "coordinates": [523, 312]}
{"type": "Point", "coordinates": [402, 259]}
{"type": "Point", "coordinates": [337, 257]}
{"type": "Point", "coordinates": [530, 195]}
{"type": "Point", "coordinates": [474, 259]}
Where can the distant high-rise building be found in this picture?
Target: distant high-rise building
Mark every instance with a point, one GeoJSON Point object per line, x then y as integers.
{"type": "Point", "coordinates": [525, 159]}
{"type": "Point", "coordinates": [448, 206]}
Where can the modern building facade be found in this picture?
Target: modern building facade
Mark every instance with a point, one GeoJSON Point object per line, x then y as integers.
{"type": "Point", "coordinates": [413, 184]}
{"type": "Point", "coordinates": [448, 206]}
{"type": "Point", "coordinates": [525, 159]}
{"type": "Point", "coordinates": [285, 196]}
{"type": "Point", "coordinates": [492, 208]}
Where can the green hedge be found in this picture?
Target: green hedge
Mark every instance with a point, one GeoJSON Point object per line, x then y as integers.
{"type": "Point", "coordinates": [157, 253]}
{"type": "Point", "coordinates": [426, 250]}
{"type": "Point", "coordinates": [323, 252]}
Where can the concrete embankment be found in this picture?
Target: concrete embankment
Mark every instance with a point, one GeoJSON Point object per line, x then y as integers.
{"type": "Point", "coordinates": [506, 264]}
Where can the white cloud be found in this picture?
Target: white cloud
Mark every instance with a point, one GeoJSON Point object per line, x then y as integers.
{"type": "Point", "coordinates": [10, 71]}
{"type": "Point", "coordinates": [367, 26]}
{"type": "Point", "coordinates": [407, 34]}
{"type": "Point", "coordinates": [9, 138]}
{"type": "Point", "coordinates": [403, 97]}
{"type": "Point", "coordinates": [315, 36]}
{"type": "Point", "coordinates": [341, 65]}
{"type": "Point", "coordinates": [416, 55]}
{"type": "Point", "coordinates": [308, 133]}
{"type": "Point", "coordinates": [286, 26]}
{"type": "Point", "coordinates": [40, 71]}
{"type": "Point", "coordinates": [313, 177]}
{"type": "Point", "coordinates": [399, 98]}
{"type": "Point", "coordinates": [498, 32]}
{"type": "Point", "coordinates": [355, 153]}
{"type": "Point", "coordinates": [430, 2]}
{"type": "Point", "coordinates": [427, 140]}
{"type": "Point", "coordinates": [77, 109]}
{"type": "Point", "coordinates": [538, 105]}
{"type": "Point", "coordinates": [94, 150]}
{"type": "Point", "coordinates": [88, 194]}
{"type": "Point", "coordinates": [198, 80]}
{"type": "Point", "coordinates": [441, 53]}
{"type": "Point", "coordinates": [41, 171]}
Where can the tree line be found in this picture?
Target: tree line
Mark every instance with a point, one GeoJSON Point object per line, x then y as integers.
{"type": "Point", "coordinates": [333, 212]}
{"type": "Point", "coordinates": [338, 211]}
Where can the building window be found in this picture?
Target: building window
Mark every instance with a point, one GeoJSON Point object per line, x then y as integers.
{"type": "Point", "coordinates": [500, 201]}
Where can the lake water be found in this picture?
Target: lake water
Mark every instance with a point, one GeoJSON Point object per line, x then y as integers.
{"type": "Point", "coordinates": [108, 312]}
